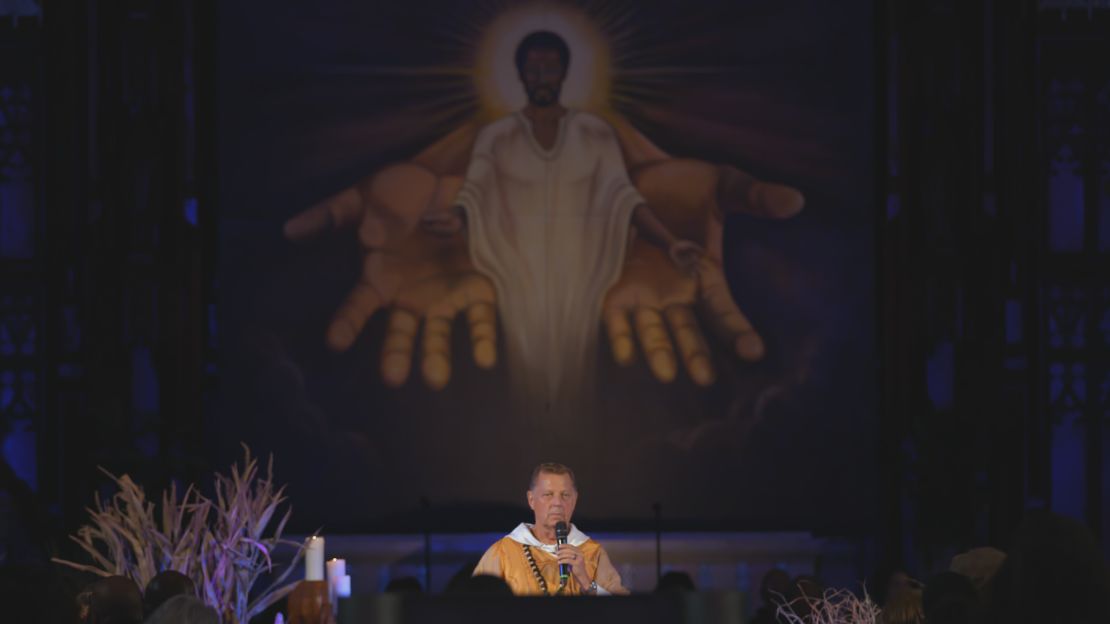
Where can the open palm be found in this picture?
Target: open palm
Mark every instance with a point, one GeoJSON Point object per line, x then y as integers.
{"type": "Point", "coordinates": [692, 198]}
{"type": "Point", "coordinates": [423, 280]}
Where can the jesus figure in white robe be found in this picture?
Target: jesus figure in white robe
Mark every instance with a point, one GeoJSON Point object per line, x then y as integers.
{"type": "Point", "coordinates": [547, 203]}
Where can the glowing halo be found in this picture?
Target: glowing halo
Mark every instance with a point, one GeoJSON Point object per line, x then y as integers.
{"type": "Point", "coordinates": [495, 76]}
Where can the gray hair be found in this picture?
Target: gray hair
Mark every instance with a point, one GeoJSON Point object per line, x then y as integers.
{"type": "Point", "coordinates": [184, 610]}
{"type": "Point", "coordinates": [551, 468]}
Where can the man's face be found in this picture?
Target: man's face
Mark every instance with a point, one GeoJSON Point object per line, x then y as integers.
{"type": "Point", "coordinates": [542, 75]}
{"type": "Point", "coordinates": [552, 499]}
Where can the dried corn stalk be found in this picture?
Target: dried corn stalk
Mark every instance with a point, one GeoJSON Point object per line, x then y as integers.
{"type": "Point", "coordinates": [221, 544]}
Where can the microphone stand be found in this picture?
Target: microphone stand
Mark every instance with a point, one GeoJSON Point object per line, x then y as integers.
{"type": "Point", "coordinates": [658, 509]}
{"type": "Point", "coordinates": [426, 507]}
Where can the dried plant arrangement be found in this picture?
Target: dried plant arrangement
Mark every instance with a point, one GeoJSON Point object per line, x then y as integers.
{"type": "Point", "coordinates": [225, 545]}
{"type": "Point", "coordinates": [835, 606]}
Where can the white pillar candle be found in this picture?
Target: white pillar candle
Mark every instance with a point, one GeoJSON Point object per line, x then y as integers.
{"type": "Point", "coordinates": [314, 559]}
{"type": "Point", "coordinates": [336, 568]}
{"type": "Point", "coordinates": [343, 587]}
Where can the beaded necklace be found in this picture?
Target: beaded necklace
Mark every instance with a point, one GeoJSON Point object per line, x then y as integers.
{"type": "Point", "coordinates": [536, 573]}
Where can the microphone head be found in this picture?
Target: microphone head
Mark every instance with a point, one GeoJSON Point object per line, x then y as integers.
{"type": "Point", "coordinates": [561, 529]}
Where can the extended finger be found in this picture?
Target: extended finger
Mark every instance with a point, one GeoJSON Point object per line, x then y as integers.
{"type": "Point", "coordinates": [336, 212]}
{"type": "Point", "coordinates": [740, 192]}
{"type": "Point", "coordinates": [729, 322]}
{"type": "Point", "coordinates": [442, 225]}
{"type": "Point", "coordinates": [691, 344]}
{"type": "Point", "coordinates": [436, 363]}
{"type": "Point", "coordinates": [620, 335]}
{"type": "Point", "coordinates": [400, 334]}
{"type": "Point", "coordinates": [482, 318]}
{"type": "Point", "coordinates": [656, 344]}
{"type": "Point", "coordinates": [351, 317]}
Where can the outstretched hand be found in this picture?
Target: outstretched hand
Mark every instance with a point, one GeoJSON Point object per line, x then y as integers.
{"type": "Point", "coordinates": [655, 293]}
{"type": "Point", "coordinates": [420, 274]}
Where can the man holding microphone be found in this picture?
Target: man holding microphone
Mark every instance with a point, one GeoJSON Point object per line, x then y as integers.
{"type": "Point", "coordinates": [531, 558]}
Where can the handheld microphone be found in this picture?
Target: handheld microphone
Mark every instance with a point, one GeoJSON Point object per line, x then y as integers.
{"type": "Point", "coordinates": [561, 538]}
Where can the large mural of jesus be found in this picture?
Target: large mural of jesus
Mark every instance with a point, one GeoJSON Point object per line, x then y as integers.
{"type": "Point", "coordinates": [568, 240]}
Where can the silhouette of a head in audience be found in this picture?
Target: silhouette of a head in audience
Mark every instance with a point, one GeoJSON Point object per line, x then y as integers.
{"type": "Point", "coordinates": [775, 586]}
{"type": "Point", "coordinates": [184, 609]}
{"type": "Point", "coordinates": [949, 598]}
{"type": "Point", "coordinates": [404, 585]}
{"type": "Point", "coordinates": [774, 591]}
{"type": "Point", "coordinates": [481, 585]}
{"type": "Point", "coordinates": [1054, 572]}
{"type": "Point", "coordinates": [112, 600]}
{"type": "Point", "coordinates": [165, 585]}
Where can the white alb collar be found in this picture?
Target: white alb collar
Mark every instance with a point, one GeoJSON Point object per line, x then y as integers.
{"type": "Point", "coordinates": [523, 534]}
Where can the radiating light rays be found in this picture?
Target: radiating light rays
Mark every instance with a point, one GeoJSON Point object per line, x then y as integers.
{"type": "Point", "coordinates": [588, 77]}
{"type": "Point", "coordinates": [678, 73]}
{"type": "Point", "coordinates": [608, 55]}
{"type": "Point", "coordinates": [444, 71]}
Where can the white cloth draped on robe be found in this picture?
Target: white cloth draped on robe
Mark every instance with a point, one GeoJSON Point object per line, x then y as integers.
{"type": "Point", "coordinates": [549, 228]}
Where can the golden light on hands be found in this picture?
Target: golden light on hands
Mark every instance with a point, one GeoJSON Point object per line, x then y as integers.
{"type": "Point", "coordinates": [425, 282]}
